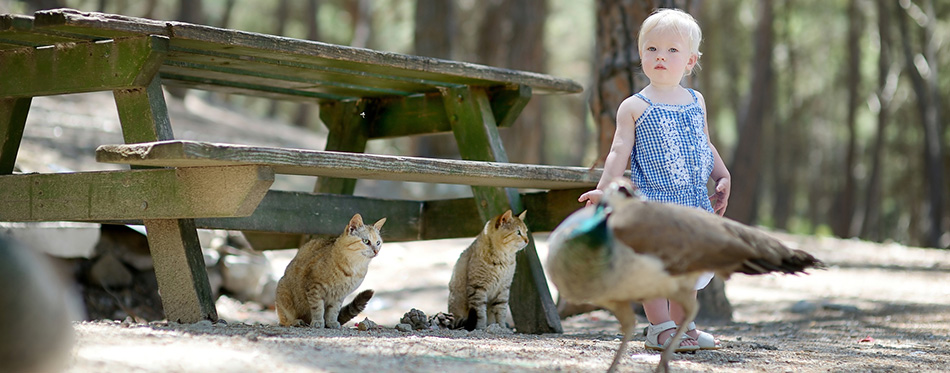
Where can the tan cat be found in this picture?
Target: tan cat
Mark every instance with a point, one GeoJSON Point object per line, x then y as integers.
{"type": "Point", "coordinates": [481, 279]}
{"type": "Point", "coordinates": [325, 271]}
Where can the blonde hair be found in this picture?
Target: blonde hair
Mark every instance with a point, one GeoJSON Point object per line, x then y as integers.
{"type": "Point", "coordinates": [674, 20]}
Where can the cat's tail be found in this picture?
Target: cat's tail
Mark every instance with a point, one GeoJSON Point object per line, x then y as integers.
{"type": "Point", "coordinates": [349, 311]}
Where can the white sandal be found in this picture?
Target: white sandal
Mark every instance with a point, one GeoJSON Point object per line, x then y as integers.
{"type": "Point", "coordinates": [653, 333]}
{"type": "Point", "coordinates": [706, 341]}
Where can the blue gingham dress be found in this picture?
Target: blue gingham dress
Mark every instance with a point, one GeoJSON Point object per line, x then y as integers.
{"type": "Point", "coordinates": [671, 159]}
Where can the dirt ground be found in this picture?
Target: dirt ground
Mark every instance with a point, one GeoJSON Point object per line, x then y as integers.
{"type": "Point", "coordinates": [876, 308]}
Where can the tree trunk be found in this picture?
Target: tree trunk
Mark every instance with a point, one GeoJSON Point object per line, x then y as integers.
{"type": "Point", "coordinates": [789, 133]}
{"type": "Point", "coordinates": [526, 138]}
{"type": "Point", "coordinates": [886, 87]}
{"type": "Point", "coordinates": [746, 164]}
{"type": "Point", "coordinates": [190, 11]}
{"type": "Point", "coordinates": [511, 35]}
{"type": "Point", "coordinates": [928, 102]}
{"type": "Point", "coordinates": [435, 29]}
{"type": "Point", "coordinates": [305, 112]}
{"type": "Point", "coordinates": [843, 212]}
{"type": "Point", "coordinates": [44, 4]}
{"type": "Point", "coordinates": [363, 24]}
{"type": "Point", "coordinates": [616, 62]}
{"type": "Point", "coordinates": [227, 13]}
{"type": "Point", "coordinates": [283, 17]}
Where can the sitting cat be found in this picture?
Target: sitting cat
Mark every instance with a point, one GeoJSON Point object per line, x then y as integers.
{"type": "Point", "coordinates": [325, 271]}
{"type": "Point", "coordinates": [481, 279]}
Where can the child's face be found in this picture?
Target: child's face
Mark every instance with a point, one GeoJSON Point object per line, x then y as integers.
{"type": "Point", "coordinates": [666, 57]}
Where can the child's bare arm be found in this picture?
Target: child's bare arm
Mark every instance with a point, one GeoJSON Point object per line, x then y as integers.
{"type": "Point", "coordinates": [619, 155]}
{"type": "Point", "coordinates": [720, 174]}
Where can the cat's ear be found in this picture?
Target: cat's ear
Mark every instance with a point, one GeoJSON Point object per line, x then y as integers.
{"type": "Point", "coordinates": [355, 223]}
{"type": "Point", "coordinates": [503, 219]}
{"type": "Point", "coordinates": [379, 224]}
{"type": "Point", "coordinates": [523, 213]}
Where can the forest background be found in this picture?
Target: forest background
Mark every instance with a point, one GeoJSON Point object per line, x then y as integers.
{"type": "Point", "coordinates": [829, 114]}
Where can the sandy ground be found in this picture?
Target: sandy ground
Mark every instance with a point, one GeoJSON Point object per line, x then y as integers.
{"type": "Point", "coordinates": [877, 308]}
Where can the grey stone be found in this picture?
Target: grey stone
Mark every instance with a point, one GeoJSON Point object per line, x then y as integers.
{"type": "Point", "coordinates": [109, 272]}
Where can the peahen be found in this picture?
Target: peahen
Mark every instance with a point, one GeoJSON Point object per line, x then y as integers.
{"type": "Point", "coordinates": [625, 249]}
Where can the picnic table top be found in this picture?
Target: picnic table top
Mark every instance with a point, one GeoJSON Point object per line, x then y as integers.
{"type": "Point", "coordinates": [219, 59]}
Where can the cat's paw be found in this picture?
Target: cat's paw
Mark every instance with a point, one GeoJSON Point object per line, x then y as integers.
{"type": "Point", "coordinates": [316, 324]}
{"type": "Point", "coordinates": [299, 323]}
{"type": "Point", "coordinates": [333, 325]}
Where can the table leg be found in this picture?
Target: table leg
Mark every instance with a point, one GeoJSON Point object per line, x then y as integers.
{"type": "Point", "coordinates": [180, 270]}
{"type": "Point", "coordinates": [176, 252]}
{"type": "Point", "coordinates": [347, 133]}
{"type": "Point", "coordinates": [470, 113]}
{"type": "Point", "coordinates": [13, 113]}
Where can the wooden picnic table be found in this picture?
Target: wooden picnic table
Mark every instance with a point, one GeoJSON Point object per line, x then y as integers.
{"type": "Point", "coordinates": [175, 186]}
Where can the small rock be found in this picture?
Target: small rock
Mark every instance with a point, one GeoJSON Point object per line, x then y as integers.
{"type": "Point", "coordinates": [442, 321]}
{"type": "Point", "coordinates": [498, 329]}
{"type": "Point", "coordinates": [842, 307]}
{"type": "Point", "coordinates": [366, 324]}
{"type": "Point", "coordinates": [110, 272]}
{"type": "Point", "coordinates": [416, 318]}
{"type": "Point", "coordinates": [804, 307]}
{"type": "Point", "coordinates": [404, 327]}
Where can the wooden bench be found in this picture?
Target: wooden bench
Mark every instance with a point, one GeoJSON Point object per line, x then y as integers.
{"type": "Point", "coordinates": [293, 212]}
{"type": "Point", "coordinates": [362, 94]}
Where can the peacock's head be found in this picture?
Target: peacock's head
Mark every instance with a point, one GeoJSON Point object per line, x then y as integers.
{"type": "Point", "coordinates": [619, 190]}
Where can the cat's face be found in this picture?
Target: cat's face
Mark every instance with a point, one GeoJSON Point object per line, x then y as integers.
{"type": "Point", "coordinates": [364, 239]}
{"type": "Point", "coordinates": [512, 230]}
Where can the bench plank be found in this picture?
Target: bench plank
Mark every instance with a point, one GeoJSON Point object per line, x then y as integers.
{"type": "Point", "coordinates": [181, 153]}
{"type": "Point", "coordinates": [291, 214]}
{"type": "Point", "coordinates": [136, 194]}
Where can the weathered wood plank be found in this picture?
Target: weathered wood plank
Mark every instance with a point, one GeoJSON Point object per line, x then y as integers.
{"type": "Point", "coordinates": [16, 31]}
{"type": "Point", "coordinates": [137, 194]}
{"type": "Point", "coordinates": [13, 112]}
{"type": "Point", "coordinates": [424, 114]}
{"type": "Point", "coordinates": [430, 71]}
{"type": "Point", "coordinates": [143, 113]}
{"type": "Point", "coordinates": [181, 153]}
{"type": "Point", "coordinates": [323, 214]}
{"type": "Point", "coordinates": [347, 133]}
{"type": "Point", "coordinates": [68, 68]}
{"type": "Point", "coordinates": [283, 216]}
{"type": "Point", "coordinates": [180, 271]}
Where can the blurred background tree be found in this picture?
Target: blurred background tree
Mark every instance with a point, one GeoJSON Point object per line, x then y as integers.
{"type": "Point", "coordinates": [828, 113]}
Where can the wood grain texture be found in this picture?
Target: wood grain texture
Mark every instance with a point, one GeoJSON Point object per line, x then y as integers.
{"type": "Point", "coordinates": [137, 194]}
{"type": "Point", "coordinates": [181, 153]}
{"type": "Point", "coordinates": [308, 61]}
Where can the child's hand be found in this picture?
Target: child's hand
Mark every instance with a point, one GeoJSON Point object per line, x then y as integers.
{"type": "Point", "coordinates": [720, 198]}
{"type": "Point", "coordinates": [591, 197]}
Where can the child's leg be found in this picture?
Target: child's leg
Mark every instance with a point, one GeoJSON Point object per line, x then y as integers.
{"type": "Point", "coordinates": [658, 311]}
{"type": "Point", "coordinates": [677, 314]}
